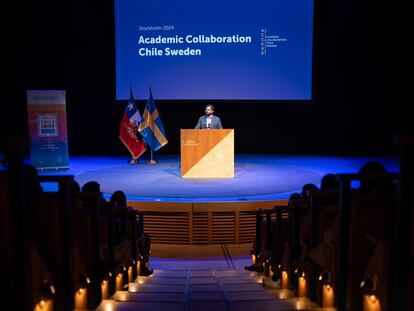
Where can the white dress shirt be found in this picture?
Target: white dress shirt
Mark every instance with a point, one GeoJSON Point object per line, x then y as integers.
{"type": "Point", "coordinates": [208, 121]}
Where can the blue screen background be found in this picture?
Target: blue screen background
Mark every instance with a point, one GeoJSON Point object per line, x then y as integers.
{"type": "Point", "coordinates": [227, 71]}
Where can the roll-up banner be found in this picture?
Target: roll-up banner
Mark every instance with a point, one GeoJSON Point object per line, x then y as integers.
{"type": "Point", "coordinates": [48, 129]}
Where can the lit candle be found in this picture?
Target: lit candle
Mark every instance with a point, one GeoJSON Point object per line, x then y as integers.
{"type": "Point", "coordinates": [270, 272]}
{"type": "Point", "coordinates": [122, 296]}
{"type": "Point", "coordinates": [302, 286]}
{"type": "Point", "coordinates": [105, 289]}
{"type": "Point", "coordinates": [119, 280]}
{"type": "Point", "coordinates": [253, 259]}
{"type": "Point", "coordinates": [133, 287]}
{"type": "Point", "coordinates": [138, 268]}
{"type": "Point", "coordinates": [327, 296]}
{"type": "Point", "coordinates": [285, 279]}
{"type": "Point", "coordinates": [44, 305]}
{"type": "Point", "coordinates": [130, 277]}
{"type": "Point", "coordinates": [108, 305]}
{"type": "Point", "coordinates": [81, 299]}
{"type": "Point", "coordinates": [371, 303]}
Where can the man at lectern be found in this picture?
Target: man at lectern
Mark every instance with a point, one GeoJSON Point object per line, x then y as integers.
{"type": "Point", "coordinates": [209, 121]}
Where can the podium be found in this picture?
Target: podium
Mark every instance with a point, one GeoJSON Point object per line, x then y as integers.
{"type": "Point", "coordinates": [207, 153]}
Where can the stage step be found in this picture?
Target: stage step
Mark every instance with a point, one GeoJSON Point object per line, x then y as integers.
{"type": "Point", "coordinates": [199, 290]}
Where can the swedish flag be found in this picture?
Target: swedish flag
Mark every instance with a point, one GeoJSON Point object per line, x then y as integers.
{"type": "Point", "coordinates": [151, 127]}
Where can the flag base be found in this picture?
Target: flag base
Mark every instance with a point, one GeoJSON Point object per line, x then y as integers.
{"type": "Point", "coordinates": [151, 161]}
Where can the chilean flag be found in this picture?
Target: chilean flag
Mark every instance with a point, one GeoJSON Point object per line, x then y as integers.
{"type": "Point", "coordinates": [128, 130]}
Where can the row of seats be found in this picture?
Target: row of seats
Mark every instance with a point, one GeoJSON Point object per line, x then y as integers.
{"type": "Point", "coordinates": [67, 249]}
{"type": "Point", "coordinates": [341, 244]}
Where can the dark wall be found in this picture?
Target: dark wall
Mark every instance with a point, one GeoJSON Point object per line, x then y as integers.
{"type": "Point", "coordinates": [70, 45]}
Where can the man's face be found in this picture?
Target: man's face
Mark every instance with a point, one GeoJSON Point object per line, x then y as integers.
{"type": "Point", "coordinates": [209, 111]}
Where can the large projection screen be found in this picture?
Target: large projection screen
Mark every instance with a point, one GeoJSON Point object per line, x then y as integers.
{"type": "Point", "coordinates": [214, 50]}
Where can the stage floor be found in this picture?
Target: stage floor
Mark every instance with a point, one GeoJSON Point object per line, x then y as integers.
{"type": "Point", "coordinates": [257, 177]}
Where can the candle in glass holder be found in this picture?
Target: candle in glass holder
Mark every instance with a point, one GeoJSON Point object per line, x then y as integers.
{"type": "Point", "coordinates": [44, 305]}
{"type": "Point", "coordinates": [108, 305]}
{"type": "Point", "coordinates": [327, 296]}
{"type": "Point", "coordinates": [105, 289]}
{"type": "Point", "coordinates": [285, 279]}
{"type": "Point", "coordinates": [119, 281]}
{"type": "Point", "coordinates": [130, 276]}
{"type": "Point", "coordinates": [133, 287]}
{"type": "Point", "coordinates": [138, 268]}
{"type": "Point", "coordinates": [302, 286]}
{"type": "Point", "coordinates": [81, 299]}
{"type": "Point", "coordinates": [253, 259]}
{"type": "Point", "coordinates": [371, 303]}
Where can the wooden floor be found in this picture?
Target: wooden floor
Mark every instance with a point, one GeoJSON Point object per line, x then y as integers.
{"type": "Point", "coordinates": [198, 251]}
{"type": "Point", "coordinates": [200, 257]}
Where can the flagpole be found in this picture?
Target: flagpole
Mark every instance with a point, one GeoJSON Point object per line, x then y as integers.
{"type": "Point", "coordinates": [152, 161]}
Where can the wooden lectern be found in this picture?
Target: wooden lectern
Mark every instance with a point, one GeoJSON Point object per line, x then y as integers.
{"type": "Point", "coordinates": [207, 153]}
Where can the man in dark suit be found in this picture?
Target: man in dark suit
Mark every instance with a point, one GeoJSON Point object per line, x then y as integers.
{"type": "Point", "coordinates": [209, 121]}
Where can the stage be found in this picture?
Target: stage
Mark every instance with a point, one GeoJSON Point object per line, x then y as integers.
{"type": "Point", "coordinates": [208, 211]}
{"type": "Point", "coordinates": [257, 177]}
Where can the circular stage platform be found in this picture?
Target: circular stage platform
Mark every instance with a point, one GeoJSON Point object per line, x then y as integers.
{"type": "Point", "coordinates": [257, 177]}
{"type": "Point", "coordinates": [208, 211]}
{"type": "Point", "coordinates": [253, 178]}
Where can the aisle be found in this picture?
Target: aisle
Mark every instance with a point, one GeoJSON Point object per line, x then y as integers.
{"type": "Point", "coordinates": [204, 290]}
